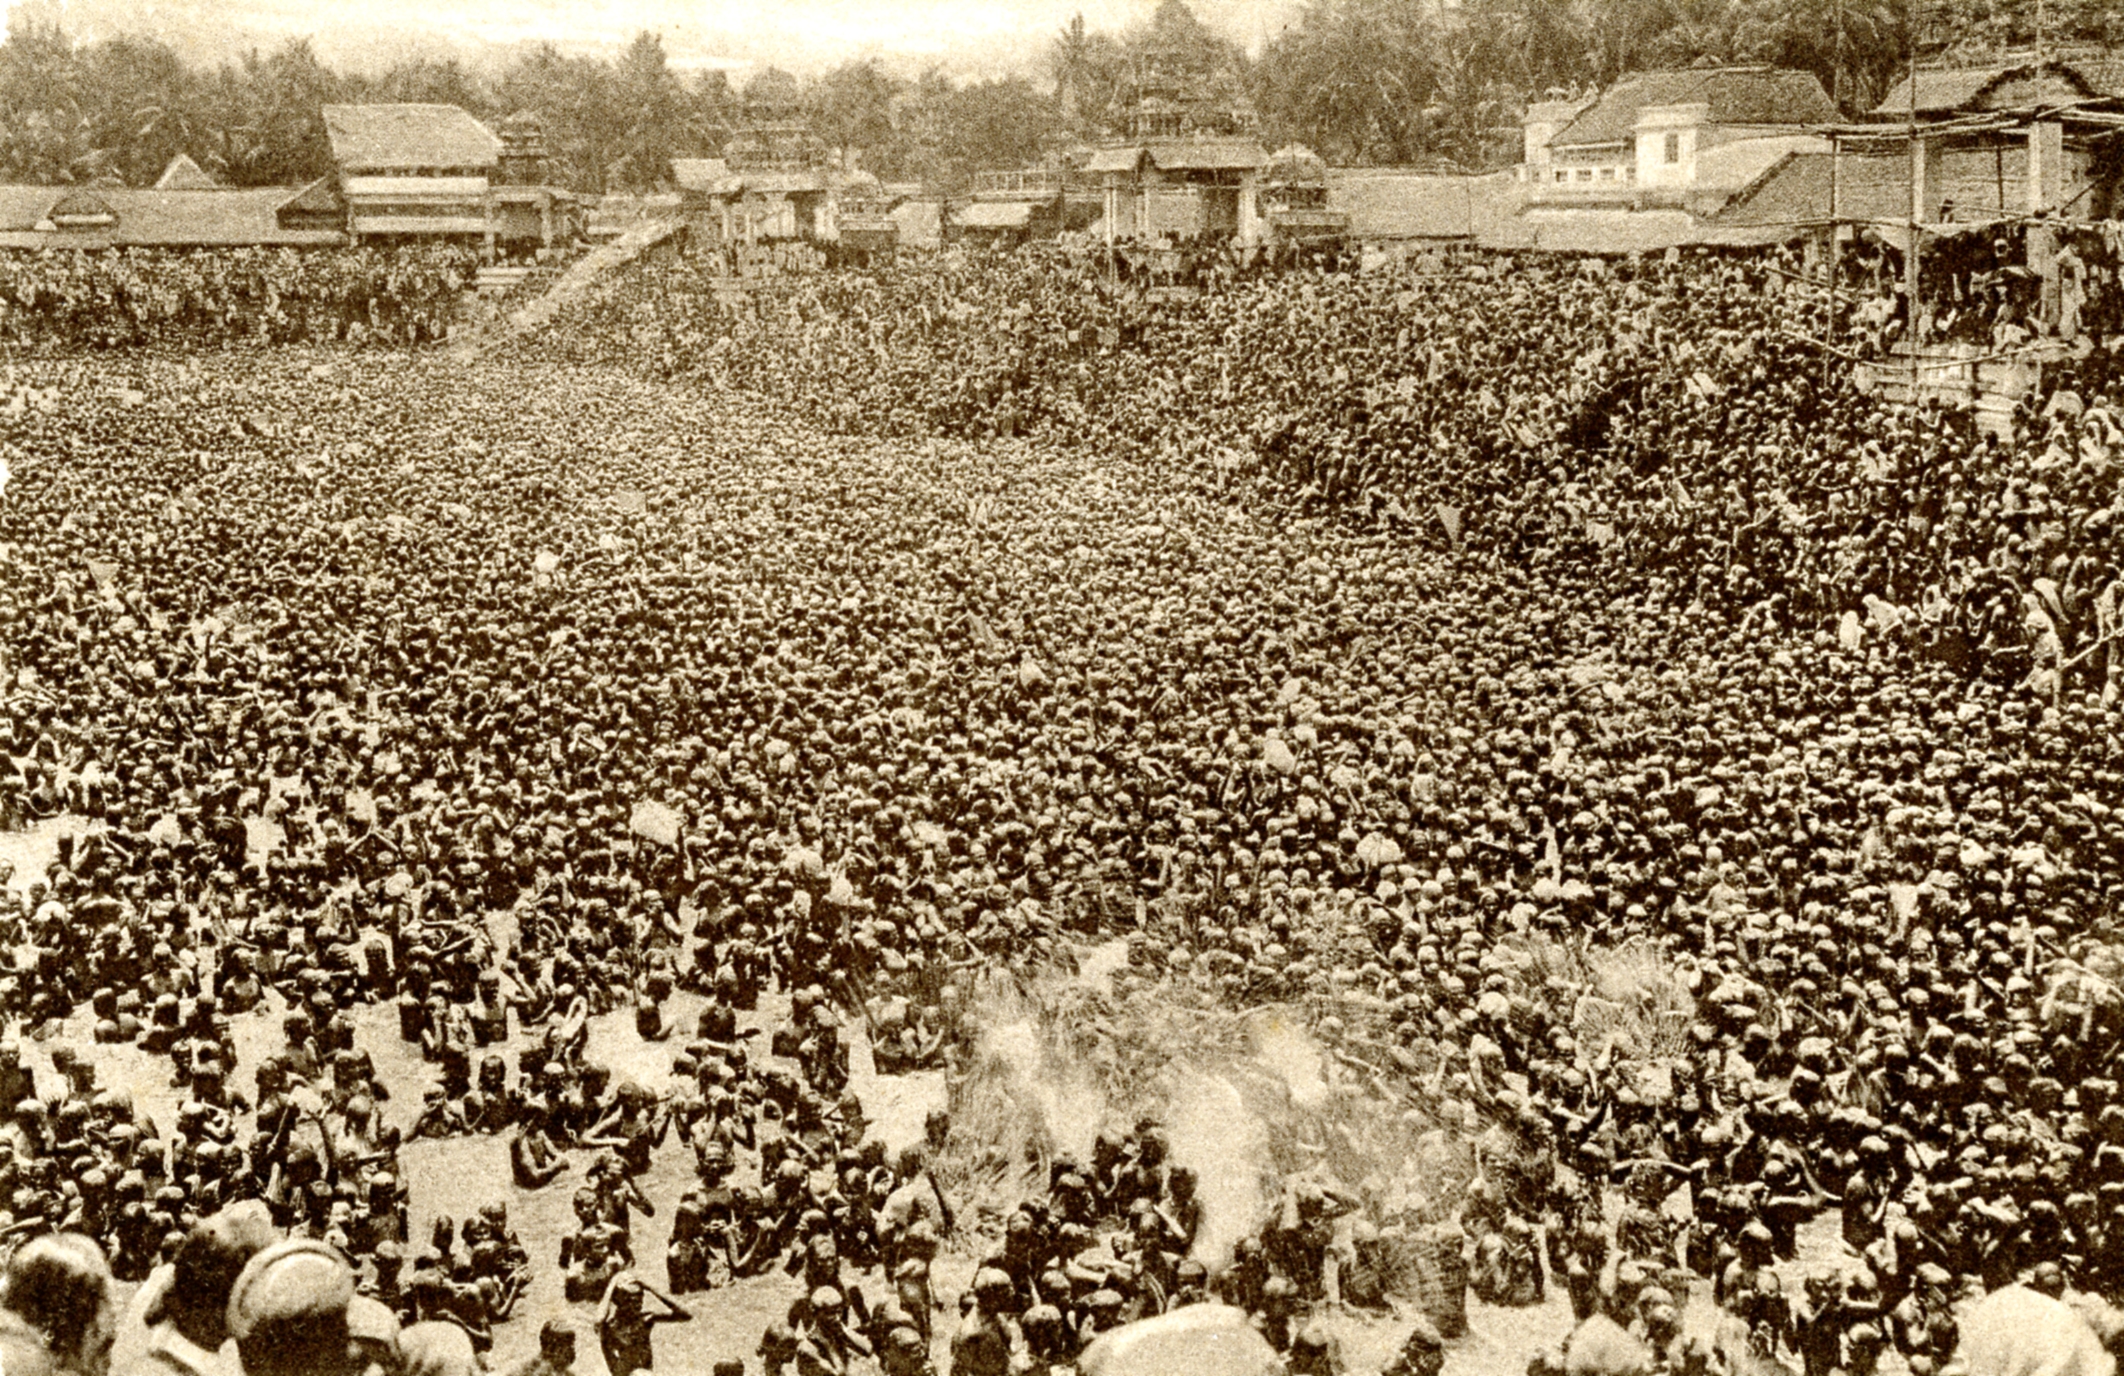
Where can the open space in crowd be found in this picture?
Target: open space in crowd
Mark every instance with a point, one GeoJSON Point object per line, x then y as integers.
{"type": "Point", "coordinates": [525, 831]}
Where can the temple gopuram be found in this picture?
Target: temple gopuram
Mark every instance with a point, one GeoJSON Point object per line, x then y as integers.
{"type": "Point", "coordinates": [1182, 166]}
{"type": "Point", "coordinates": [778, 183]}
{"type": "Point", "coordinates": [1188, 167]}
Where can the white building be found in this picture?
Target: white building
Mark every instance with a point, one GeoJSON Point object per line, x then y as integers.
{"type": "Point", "coordinates": [1671, 139]}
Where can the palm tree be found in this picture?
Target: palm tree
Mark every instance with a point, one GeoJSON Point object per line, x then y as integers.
{"type": "Point", "coordinates": [1067, 57]}
{"type": "Point", "coordinates": [1856, 47]}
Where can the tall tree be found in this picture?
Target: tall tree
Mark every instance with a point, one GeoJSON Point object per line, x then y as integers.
{"type": "Point", "coordinates": [141, 106]}
{"type": "Point", "coordinates": [851, 109]}
{"type": "Point", "coordinates": [999, 124]}
{"type": "Point", "coordinates": [429, 81]}
{"type": "Point", "coordinates": [43, 128]}
{"type": "Point", "coordinates": [1858, 68]}
{"type": "Point", "coordinates": [1177, 40]}
{"type": "Point", "coordinates": [1535, 46]}
{"type": "Point", "coordinates": [270, 116]}
{"type": "Point", "coordinates": [923, 122]}
{"type": "Point", "coordinates": [1626, 36]}
{"type": "Point", "coordinates": [568, 95]}
{"type": "Point", "coordinates": [1699, 31]}
{"type": "Point", "coordinates": [713, 110]}
{"type": "Point", "coordinates": [1068, 56]}
{"type": "Point", "coordinates": [646, 116]}
{"type": "Point", "coordinates": [1352, 79]}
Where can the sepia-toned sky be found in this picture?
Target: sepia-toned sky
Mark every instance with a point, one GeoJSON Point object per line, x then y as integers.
{"type": "Point", "coordinates": [969, 37]}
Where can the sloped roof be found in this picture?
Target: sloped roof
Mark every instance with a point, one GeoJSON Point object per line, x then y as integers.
{"type": "Point", "coordinates": [1393, 203]}
{"type": "Point", "coordinates": [1552, 111]}
{"type": "Point", "coordinates": [1735, 95]}
{"type": "Point", "coordinates": [995, 215]}
{"type": "Point", "coordinates": [318, 198]}
{"type": "Point", "coordinates": [1294, 164]}
{"type": "Point", "coordinates": [1962, 88]}
{"type": "Point", "coordinates": [2104, 74]}
{"type": "Point", "coordinates": [1207, 155]}
{"type": "Point", "coordinates": [82, 204]}
{"type": "Point", "coordinates": [207, 217]}
{"type": "Point", "coordinates": [780, 183]}
{"type": "Point", "coordinates": [1733, 166]}
{"type": "Point", "coordinates": [185, 175]}
{"type": "Point", "coordinates": [414, 188]}
{"type": "Point", "coordinates": [703, 175]}
{"type": "Point", "coordinates": [21, 207]}
{"type": "Point", "coordinates": [1598, 231]}
{"type": "Point", "coordinates": [387, 137]}
{"type": "Point", "coordinates": [1115, 160]}
{"type": "Point", "coordinates": [1938, 92]}
{"type": "Point", "coordinates": [1796, 193]}
{"type": "Point", "coordinates": [155, 219]}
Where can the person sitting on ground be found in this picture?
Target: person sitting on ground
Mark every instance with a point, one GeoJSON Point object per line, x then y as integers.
{"type": "Point", "coordinates": [556, 1352]}
{"type": "Point", "coordinates": [624, 1326]}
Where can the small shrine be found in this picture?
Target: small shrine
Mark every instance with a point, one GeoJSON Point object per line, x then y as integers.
{"type": "Point", "coordinates": [1294, 200]}
{"type": "Point", "coordinates": [523, 210]}
{"type": "Point", "coordinates": [863, 222]}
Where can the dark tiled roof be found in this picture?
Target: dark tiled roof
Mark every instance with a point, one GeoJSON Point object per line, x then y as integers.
{"type": "Point", "coordinates": [1736, 95]}
{"type": "Point", "coordinates": [385, 138]}
{"type": "Point", "coordinates": [318, 198]}
{"type": "Point", "coordinates": [1947, 91]}
{"type": "Point", "coordinates": [1552, 111]}
{"type": "Point", "coordinates": [86, 204]}
{"type": "Point", "coordinates": [1115, 160]}
{"type": "Point", "coordinates": [1384, 203]}
{"type": "Point", "coordinates": [2104, 74]}
{"type": "Point", "coordinates": [1796, 193]}
{"type": "Point", "coordinates": [153, 219]}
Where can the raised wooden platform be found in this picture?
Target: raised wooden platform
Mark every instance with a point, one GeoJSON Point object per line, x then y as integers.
{"type": "Point", "coordinates": [1990, 385]}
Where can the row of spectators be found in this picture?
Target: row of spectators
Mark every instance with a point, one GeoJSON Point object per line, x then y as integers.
{"type": "Point", "coordinates": [169, 298]}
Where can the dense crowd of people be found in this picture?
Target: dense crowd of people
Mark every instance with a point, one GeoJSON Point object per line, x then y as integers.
{"type": "Point", "coordinates": [1390, 636]}
{"type": "Point", "coordinates": [76, 299]}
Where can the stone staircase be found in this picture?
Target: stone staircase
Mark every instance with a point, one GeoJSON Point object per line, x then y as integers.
{"type": "Point", "coordinates": [582, 276]}
{"type": "Point", "coordinates": [515, 301]}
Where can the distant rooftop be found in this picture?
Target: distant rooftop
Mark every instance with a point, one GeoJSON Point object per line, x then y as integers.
{"type": "Point", "coordinates": [1735, 95]}
{"type": "Point", "coordinates": [387, 138]}
{"type": "Point", "coordinates": [2008, 85]}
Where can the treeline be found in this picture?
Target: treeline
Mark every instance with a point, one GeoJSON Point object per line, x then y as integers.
{"type": "Point", "coordinates": [1362, 81]}
{"type": "Point", "coordinates": [123, 107]}
{"type": "Point", "coordinates": [1391, 81]}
